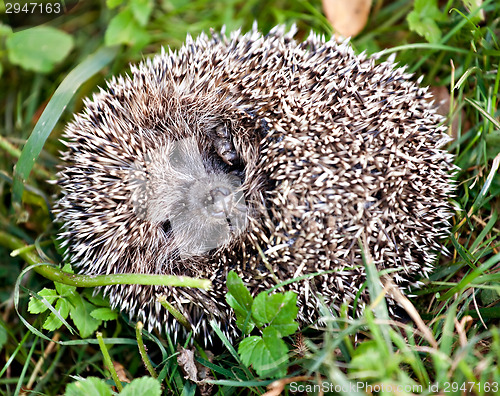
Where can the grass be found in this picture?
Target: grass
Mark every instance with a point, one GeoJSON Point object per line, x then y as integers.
{"type": "Point", "coordinates": [452, 344]}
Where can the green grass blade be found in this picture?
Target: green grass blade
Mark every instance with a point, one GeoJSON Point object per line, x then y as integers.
{"type": "Point", "coordinates": [483, 112]}
{"type": "Point", "coordinates": [25, 367]}
{"type": "Point", "coordinates": [468, 279]}
{"type": "Point", "coordinates": [52, 112]}
{"type": "Point", "coordinates": [491, 223]}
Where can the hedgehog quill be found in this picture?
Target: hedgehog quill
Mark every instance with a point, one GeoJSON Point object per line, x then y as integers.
{"type": "Point", "coordinates": [202, 158]}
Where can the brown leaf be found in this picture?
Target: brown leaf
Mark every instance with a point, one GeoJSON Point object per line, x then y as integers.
{"type": "Point", "coordinates": [195, 371]}
{"type": "Point", "coordinates": [348, 17]}
{"type": "Point", "coordinates": [121, 372]}
{"type": "Point", "coordinates": [186, 362]}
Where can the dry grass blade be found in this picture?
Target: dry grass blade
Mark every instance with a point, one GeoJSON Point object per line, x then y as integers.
{"type": "Point", "coordinates": [410, 309]}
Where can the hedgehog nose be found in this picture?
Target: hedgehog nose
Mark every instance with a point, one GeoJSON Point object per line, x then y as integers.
{"type": "Point", "coordinates": [222, 201]}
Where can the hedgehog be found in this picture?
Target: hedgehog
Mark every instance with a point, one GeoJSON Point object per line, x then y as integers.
{"type": "Point", "coordinates": [260, 154]}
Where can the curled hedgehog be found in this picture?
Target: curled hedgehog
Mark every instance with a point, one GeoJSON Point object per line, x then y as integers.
{"type": "Point", "coordinates": [258, 154]}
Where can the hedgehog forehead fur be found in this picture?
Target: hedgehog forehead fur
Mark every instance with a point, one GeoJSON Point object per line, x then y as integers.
{"type": "Point", "coordinates": [236, 145]}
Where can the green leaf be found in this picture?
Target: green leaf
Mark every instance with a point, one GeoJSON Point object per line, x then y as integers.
{"type": "Point", "coordinates": [98, 299]}
{"type": "Point", "coordinates": [424, 27]}
{"type": "Point", "coordinates": [124, 29]}
{"type": "Point", "coordinates": [141, 10]}
{"type": "Point", "coordinates": [80, 313]}
{"type": "Point", "coordinates": [51, 115]}
{"type": "Point", "coordinates": [489, 296]}
{"type": "Point", "coordinates": [38, 48]}
{"type": "Point", "coordinates": [247, 348]}
{"type": "Point", "coordinates": [5, 30]}
{"type": "Point", "coordinates": [241, 299]}
{"type": "Point", "coordinates": [142, 386]}
{"type": "Point", "coordinates": [279, 310]}
{"type": "Point", "coordinates": [284, 322]}
{"type": "Point", "coordinates": [104, 314]}
{"type": "Point", "coordinates": [113, 3]}
{"type": "Point", "coordinates": [366, 358]}
{"type": "Point", "coordinates": [53, 322]}
{"type": "Point", "coordinates": [62, 289]}
{"type": "Point", "coordinates": [473, 6]}
{"type": "Point", "coordinates": [88, 386]}
{"type": "Point", "coordinates": [268, 354]}
{"type": "Point", "coordinates": [36, 306]}
{"type": "Point", "coordinates": [238, 297]}
{"type": "Point", "coordinates": [422, 20]}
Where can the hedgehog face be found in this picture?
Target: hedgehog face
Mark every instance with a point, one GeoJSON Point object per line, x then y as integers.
{"type": "Point", "coordinates": [210, 216]}
{"type": "Point", "coordinates": [198, 205]}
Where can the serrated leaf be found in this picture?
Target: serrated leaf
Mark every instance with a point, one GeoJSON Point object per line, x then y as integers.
{"type": "Point", "coordinates": [98, 299]}
{"type": "Point", "coordinates": [424, 27]}
{"type": "Point", "coordinates": [38, 48]}
{"type": "Point", "coordinates": [245, 323]}
{"type": "Point", "coordinates": [141, 10]}
{"type": "Point", "coordinates": [80, 313]}
{"type": "Point", "coordinates": [268, 354]}
{"type": "Point", "coordinates": [279, 310]}
{"type": "Point", "coordinates": [104, 314]}
{"type": "Point", "coordinates": [266, 307]}
{"type": "Point", "coordinates": [241, 300]}
{"type": "Point", "coordinates": [88, 386]}
{"type": "Point", "coordinates": [53, 322]}
{"type": "Point", "coordinates": [247, 347]}
{"type": "Point", "coordinates": [36, 306]}
{"type": "Point", "coordinates": [238, 297]}
{"type": "Point", "coordinates": [422, 20]}
{"type": "Point", "coordinates": [284, 322]}
{"type": "Point", "coordinates": [124, 29]}
{"type": "Point", "coordinates": [142, 386]}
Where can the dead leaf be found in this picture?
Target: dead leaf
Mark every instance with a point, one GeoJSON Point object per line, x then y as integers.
{"type": "Point", "coordinates": [186, 362]}
{"type": "Point", "coordinates": [195, 371]}
{"type": "Point", "coordinates": [121, 372]}
{"type": "Point", "coordinates": [277, 387]}
{"type": "Point", "coordinates": [348, 17]}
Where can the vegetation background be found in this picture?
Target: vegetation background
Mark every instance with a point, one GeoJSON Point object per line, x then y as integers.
{"type": "Point", "coordinates": [48, 65]}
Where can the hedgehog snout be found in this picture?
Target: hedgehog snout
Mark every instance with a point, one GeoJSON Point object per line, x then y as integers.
{"type": "Point", "coordinates": [223, 201]}
{"type": "Point", "coordinates": [220, 202]}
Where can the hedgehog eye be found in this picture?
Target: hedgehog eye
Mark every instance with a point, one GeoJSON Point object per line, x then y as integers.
{"type": "Point", "coordinates": [166, 227]}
